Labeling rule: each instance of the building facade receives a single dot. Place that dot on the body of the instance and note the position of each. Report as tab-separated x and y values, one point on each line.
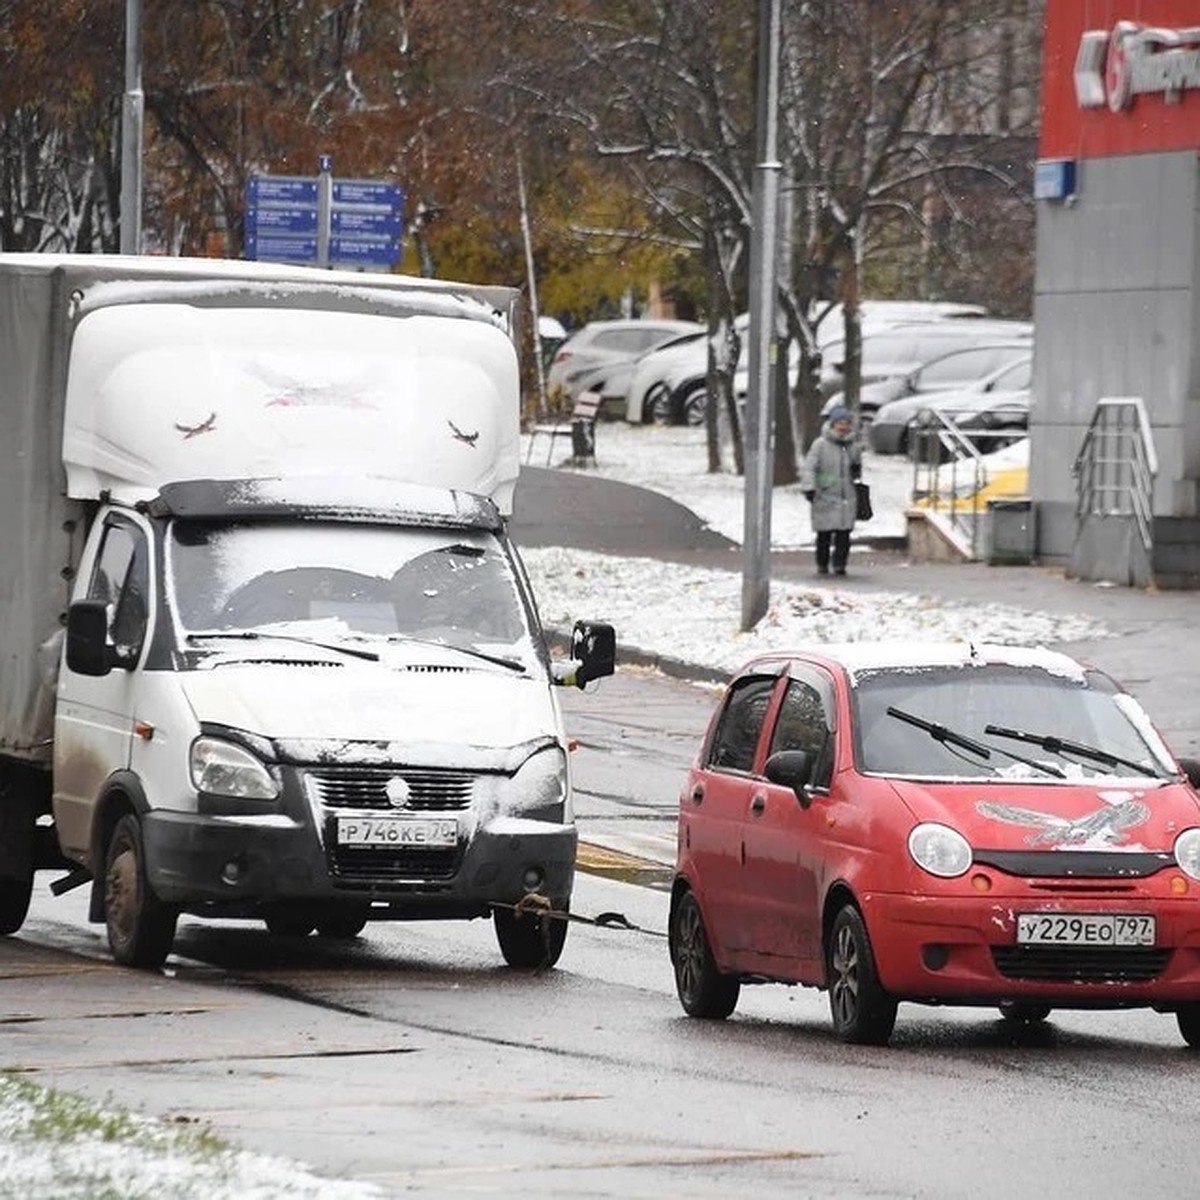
1116	486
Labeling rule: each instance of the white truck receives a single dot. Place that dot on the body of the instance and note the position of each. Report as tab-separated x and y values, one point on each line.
266	649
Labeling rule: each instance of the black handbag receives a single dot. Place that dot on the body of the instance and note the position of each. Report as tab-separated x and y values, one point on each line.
863	510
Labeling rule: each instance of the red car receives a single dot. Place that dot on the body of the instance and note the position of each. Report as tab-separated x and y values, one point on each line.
948	824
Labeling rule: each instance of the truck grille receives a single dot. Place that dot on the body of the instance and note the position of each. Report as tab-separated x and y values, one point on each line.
392	865
1061	964
429	789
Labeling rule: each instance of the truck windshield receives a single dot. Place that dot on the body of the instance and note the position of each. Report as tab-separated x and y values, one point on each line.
378	582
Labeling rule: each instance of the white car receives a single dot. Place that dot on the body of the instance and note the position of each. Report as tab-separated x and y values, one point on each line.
588	356
646	373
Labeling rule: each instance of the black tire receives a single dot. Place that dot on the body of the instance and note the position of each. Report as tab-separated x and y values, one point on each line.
863	1013
528	941
1024	1012
656	408
14	902
289	920
343	922
141	928
1189	1024
703	991
694	406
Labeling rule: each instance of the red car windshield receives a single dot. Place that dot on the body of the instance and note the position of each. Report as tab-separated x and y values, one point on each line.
960	703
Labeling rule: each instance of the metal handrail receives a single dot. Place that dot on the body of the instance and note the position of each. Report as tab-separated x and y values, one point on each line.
1117	464
941	433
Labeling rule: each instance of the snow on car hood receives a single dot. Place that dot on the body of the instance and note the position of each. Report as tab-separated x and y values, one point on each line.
488	708
1124	816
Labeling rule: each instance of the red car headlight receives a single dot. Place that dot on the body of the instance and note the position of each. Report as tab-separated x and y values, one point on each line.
940	850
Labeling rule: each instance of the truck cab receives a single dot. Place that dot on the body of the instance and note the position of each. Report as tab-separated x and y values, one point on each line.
302	677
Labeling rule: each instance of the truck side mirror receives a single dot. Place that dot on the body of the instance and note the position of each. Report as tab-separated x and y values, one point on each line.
594	647
88	651
1191	768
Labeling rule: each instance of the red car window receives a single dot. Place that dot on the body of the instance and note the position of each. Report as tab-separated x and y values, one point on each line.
736	736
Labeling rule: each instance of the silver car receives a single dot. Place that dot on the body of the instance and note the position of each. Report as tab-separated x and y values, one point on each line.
601	348
978	371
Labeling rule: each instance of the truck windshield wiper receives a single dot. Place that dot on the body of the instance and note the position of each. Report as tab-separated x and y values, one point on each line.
254	635
1057	745
940	733
510	663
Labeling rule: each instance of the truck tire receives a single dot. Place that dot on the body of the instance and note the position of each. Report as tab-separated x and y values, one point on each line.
18	834
530	942
343	922
141	928
14	902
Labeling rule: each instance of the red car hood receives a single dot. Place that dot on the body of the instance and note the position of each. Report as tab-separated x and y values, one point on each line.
1126	816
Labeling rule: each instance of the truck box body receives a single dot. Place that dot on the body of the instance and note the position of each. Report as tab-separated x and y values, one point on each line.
265	636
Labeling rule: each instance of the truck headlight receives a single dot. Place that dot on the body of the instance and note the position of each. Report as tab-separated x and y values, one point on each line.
224	769
940	850
539	788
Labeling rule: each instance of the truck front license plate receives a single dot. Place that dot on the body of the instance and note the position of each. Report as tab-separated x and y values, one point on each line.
374	832
1085	929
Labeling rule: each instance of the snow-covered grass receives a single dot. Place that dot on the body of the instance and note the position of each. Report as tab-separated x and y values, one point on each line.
56	1146
694	614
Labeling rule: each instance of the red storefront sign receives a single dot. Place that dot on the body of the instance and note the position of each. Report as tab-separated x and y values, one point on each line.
1120	77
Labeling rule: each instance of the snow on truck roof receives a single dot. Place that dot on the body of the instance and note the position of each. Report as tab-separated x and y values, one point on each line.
175	381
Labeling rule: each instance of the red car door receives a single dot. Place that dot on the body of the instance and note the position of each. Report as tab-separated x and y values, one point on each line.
783	834
712	811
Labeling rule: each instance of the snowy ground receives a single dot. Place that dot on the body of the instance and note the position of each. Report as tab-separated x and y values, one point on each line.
695	614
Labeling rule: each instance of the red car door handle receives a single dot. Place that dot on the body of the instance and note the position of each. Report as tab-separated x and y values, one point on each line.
758	804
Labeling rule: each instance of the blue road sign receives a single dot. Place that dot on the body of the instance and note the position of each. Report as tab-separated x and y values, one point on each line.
281	249
369	193
365	221
354	222
270	221
281	189
362	252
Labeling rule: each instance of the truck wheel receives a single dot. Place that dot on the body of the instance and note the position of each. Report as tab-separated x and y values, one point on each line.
289	920
343	922
141	927
528	941
14	902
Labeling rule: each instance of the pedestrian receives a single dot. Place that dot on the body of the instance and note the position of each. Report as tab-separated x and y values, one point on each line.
832	466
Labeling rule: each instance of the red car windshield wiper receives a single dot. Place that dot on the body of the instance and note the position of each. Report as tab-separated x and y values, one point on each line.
940	733
1057	745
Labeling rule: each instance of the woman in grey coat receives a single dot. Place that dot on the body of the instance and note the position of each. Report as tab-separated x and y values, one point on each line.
831	467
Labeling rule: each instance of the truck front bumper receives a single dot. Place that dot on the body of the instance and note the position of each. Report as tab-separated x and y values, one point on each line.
236	862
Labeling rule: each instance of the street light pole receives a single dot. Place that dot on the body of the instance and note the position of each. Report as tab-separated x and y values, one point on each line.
132	113
760	467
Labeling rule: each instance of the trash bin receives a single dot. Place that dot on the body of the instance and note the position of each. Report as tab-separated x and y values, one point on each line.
1011	520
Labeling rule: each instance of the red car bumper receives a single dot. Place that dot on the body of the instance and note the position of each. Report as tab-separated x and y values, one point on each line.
964	950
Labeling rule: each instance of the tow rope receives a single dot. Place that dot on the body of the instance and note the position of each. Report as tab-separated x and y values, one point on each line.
534	904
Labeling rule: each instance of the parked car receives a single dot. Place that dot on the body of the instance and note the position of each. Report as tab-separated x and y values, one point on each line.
941	824
588	356
968	424
646	379
903	349
960	380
